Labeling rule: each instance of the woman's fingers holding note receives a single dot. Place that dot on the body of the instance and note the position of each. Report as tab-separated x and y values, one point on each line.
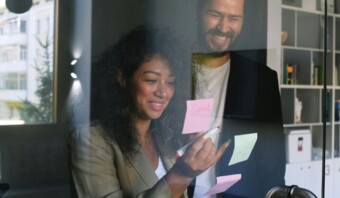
201	155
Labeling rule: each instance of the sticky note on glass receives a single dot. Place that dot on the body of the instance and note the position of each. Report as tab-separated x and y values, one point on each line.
198	115
244	144
223	183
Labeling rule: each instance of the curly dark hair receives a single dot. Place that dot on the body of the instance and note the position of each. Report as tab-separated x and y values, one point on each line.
113	105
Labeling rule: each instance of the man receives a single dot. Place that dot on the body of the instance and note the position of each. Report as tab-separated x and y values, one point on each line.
245	92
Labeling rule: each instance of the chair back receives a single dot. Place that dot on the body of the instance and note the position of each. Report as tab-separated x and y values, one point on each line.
293	191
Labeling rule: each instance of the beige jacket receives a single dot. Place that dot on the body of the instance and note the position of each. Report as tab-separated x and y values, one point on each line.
100	170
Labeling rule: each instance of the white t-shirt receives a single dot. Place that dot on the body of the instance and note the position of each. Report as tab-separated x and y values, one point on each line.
160	170
211	83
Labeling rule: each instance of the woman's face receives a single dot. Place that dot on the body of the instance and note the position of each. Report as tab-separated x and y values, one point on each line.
153	88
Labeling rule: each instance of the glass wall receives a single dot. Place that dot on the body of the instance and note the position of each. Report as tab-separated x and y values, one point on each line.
293	38
265	73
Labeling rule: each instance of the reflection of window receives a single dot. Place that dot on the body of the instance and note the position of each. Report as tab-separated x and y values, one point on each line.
47	24
43	24
12	27
2	84
13	81
23	53
7	53
3	56
22	81
23	26
12	53
37	26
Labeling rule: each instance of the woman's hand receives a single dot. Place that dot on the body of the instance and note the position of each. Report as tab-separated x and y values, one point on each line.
200	156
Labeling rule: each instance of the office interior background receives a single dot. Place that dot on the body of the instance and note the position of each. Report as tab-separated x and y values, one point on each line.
52	45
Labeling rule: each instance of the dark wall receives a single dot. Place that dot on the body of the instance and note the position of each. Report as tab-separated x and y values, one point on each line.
253	38
254	32
113	18
34	162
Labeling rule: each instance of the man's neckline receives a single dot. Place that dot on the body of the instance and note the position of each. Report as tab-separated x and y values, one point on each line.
211	60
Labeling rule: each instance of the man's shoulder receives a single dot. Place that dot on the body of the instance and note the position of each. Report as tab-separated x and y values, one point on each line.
248	61
246	57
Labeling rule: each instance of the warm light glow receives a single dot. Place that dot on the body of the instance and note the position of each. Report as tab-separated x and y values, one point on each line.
77	52
74	62
73	75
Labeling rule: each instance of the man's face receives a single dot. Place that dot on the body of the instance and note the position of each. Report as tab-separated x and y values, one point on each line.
221	22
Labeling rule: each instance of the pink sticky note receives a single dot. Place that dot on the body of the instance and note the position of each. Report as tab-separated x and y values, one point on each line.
223	183
198	115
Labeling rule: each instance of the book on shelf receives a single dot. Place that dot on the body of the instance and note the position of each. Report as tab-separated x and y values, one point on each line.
318	75
290	74
337	110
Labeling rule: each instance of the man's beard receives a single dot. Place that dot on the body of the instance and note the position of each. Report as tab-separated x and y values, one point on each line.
216	32
204	44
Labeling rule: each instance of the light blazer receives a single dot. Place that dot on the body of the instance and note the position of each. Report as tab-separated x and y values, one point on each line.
253	96
99	169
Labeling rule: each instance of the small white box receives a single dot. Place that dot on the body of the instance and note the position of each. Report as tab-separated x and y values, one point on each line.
299	146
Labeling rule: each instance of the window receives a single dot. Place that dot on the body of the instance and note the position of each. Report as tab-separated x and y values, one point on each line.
7	53
24	73
47	24
13	29
13	81
23	53
37	26
22	81
22	26
10	53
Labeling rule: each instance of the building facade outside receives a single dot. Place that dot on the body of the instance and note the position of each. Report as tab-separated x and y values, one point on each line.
26	43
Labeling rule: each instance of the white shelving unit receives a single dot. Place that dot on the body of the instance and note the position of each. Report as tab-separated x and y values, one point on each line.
304	47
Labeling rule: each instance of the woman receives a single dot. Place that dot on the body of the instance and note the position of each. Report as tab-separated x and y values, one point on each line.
130	149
